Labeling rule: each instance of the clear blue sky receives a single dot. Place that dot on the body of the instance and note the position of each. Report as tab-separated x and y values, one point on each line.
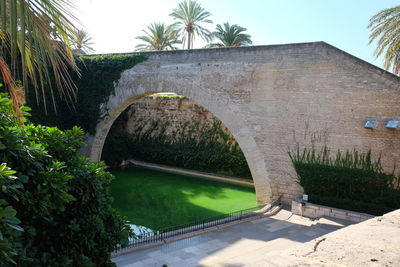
338	22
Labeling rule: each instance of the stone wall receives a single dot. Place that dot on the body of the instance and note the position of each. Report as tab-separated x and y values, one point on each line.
311	210
173	111
273	98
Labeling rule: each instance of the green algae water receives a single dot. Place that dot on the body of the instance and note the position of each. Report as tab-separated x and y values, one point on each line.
158	200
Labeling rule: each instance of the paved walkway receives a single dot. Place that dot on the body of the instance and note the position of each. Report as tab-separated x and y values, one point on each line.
244	244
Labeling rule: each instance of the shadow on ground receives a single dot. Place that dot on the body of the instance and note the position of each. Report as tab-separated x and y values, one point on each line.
158	200
238	245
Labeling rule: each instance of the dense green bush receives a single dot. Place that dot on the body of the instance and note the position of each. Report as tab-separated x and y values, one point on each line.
350	181
96	84
10	230
56	210
194	145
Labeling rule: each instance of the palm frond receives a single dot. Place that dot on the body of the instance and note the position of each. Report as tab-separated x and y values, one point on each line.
190	17
385	29
35	35
82	43
159	37
231	35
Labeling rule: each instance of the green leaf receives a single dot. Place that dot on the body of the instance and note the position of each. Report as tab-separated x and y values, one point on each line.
16	227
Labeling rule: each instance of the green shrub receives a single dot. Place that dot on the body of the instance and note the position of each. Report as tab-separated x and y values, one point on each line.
118	147
350	181
194	145
61	200
10	231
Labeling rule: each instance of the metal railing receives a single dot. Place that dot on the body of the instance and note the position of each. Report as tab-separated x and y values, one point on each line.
162	234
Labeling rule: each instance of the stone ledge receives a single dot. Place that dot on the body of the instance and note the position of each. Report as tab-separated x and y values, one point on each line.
228	52
311	210
197	174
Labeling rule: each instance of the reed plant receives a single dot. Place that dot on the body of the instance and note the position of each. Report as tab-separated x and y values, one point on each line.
349	180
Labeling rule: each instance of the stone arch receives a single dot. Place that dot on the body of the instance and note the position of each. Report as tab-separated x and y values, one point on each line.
272	98
140	81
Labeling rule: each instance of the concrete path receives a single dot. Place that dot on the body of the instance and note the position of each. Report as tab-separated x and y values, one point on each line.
240	245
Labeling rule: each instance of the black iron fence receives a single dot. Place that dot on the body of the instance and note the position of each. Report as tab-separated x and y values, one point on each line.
163	234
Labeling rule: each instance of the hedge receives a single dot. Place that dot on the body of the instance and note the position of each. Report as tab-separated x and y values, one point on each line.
350	181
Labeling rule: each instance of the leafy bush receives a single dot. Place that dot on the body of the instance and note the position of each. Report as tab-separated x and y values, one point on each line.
350	181
118	147
61	200
9	224
194	145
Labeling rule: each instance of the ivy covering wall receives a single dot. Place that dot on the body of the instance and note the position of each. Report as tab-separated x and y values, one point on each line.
350	180
194	144
96	84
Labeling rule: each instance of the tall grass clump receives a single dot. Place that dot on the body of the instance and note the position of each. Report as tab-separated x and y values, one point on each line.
349	180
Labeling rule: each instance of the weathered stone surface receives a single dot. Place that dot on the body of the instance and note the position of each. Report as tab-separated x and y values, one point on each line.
272	98
312	210
173	112
375	242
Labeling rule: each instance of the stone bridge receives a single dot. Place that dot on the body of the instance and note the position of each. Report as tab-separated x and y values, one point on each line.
272	99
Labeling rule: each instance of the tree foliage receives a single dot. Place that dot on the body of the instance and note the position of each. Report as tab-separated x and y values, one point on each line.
385	29
159	37
82	43
10	229
230	35
55	207
191	18
35	38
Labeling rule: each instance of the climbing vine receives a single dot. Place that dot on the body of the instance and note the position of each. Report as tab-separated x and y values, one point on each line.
96	84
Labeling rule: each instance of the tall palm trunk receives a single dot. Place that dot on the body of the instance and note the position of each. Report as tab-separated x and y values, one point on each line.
190	16
189	40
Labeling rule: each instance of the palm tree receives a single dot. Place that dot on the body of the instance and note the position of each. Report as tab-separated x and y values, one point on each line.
231	35
159	37
385	26
35	37
82	43
191	16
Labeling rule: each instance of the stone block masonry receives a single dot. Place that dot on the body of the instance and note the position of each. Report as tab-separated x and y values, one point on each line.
311	210
272	98
173	112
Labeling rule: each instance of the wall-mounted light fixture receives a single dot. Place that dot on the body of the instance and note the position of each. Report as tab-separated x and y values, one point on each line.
370	124
392	124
